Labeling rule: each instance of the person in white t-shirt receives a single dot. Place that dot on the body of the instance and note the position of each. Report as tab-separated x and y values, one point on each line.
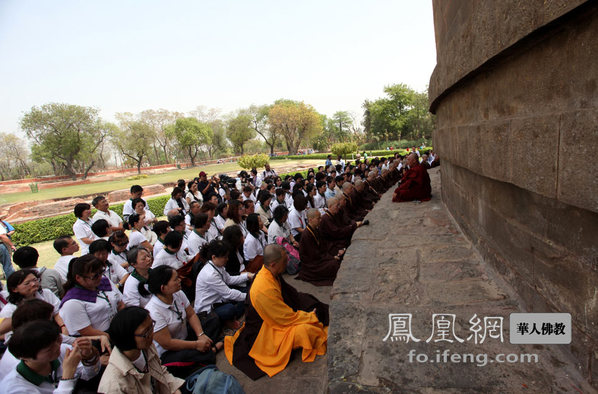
199	236
280	227
297	216
253	246
135	292
136	237
66	246
91	300
118	253
25	284
100	248
171	254
172	313
47	365
177	201
136	192
102	205
161	229
82	227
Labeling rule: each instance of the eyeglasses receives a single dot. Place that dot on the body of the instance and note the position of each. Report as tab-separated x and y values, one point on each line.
147	332
31	282
121	244
94	276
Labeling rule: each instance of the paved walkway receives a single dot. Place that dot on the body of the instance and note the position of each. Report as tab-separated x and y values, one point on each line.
413	259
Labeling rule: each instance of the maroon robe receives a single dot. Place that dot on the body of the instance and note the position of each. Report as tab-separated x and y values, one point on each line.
354	211
336	231
415	185
318	266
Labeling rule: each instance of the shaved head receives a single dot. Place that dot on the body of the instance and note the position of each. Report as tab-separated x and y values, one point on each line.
312	214
332	201
272	253
347	187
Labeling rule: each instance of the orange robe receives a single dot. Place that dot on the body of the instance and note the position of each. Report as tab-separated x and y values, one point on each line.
269	336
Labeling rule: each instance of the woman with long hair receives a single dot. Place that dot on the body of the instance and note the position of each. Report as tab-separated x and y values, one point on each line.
176	202
136	237
235	214
234	239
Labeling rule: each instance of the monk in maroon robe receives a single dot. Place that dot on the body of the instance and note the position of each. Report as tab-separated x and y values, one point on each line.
415	184
318	265
334	226
353	210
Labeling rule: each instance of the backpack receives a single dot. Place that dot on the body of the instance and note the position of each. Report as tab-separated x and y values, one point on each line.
294	264
209	380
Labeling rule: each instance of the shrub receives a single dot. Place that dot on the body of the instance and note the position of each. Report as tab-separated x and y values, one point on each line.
253	161
48	229
344	148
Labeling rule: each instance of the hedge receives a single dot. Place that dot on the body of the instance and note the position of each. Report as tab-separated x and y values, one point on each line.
371	153
48	229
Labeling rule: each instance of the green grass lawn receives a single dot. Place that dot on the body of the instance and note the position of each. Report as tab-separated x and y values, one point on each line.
123	183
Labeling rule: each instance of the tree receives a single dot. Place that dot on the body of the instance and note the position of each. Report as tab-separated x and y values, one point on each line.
386	117
420	122
13	157
295	121
159	120
219	141
239	131
66	136
190	134
134	139
259	122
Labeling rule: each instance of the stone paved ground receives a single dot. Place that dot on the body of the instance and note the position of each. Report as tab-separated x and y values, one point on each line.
413	259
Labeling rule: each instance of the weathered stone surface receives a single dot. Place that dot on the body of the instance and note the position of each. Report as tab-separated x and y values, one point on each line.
515	92
428	273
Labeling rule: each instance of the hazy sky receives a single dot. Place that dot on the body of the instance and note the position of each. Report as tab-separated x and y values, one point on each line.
130	56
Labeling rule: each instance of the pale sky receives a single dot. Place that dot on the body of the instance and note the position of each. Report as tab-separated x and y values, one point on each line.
129	56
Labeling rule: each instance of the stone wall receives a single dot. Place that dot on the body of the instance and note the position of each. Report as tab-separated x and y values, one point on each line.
515	92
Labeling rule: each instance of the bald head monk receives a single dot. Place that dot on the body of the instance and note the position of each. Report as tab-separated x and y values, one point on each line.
275	259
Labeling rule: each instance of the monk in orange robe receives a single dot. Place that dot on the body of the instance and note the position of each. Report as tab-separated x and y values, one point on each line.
279	319
415	184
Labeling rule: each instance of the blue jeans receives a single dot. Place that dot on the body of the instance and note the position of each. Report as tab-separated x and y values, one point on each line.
230	311
5	261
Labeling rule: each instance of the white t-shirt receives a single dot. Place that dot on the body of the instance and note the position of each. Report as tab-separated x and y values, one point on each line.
172	204
176	260
212	233
111	217
82	229
128	208
15	383
114	272
158	246
44	295
275	231
297	220
62	266
319	201
118	258
219	223
136	238
173	317
78	314
212	286
195	242
254	246
131	296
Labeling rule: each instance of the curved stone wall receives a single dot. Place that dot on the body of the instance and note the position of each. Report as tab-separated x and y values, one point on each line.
515	91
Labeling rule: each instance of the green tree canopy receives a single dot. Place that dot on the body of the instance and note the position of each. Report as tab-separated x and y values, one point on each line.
69	137
296	121
190	134
259	122
134	139
239	130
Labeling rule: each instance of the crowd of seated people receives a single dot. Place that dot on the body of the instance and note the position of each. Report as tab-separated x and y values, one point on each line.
160	295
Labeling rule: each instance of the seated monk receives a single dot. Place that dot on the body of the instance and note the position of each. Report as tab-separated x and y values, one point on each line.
279	319
354	211
364	200
335	227
318	266
415	184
